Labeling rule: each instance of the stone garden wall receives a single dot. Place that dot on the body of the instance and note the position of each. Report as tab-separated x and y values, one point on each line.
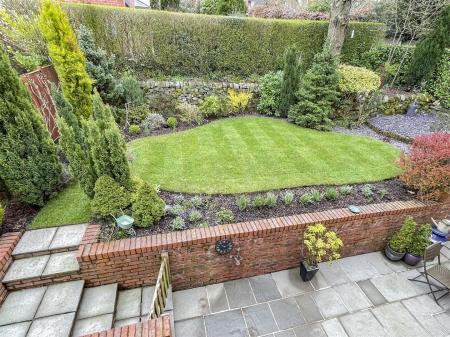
266	245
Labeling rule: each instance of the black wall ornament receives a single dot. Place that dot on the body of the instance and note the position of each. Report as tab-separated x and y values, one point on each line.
224	246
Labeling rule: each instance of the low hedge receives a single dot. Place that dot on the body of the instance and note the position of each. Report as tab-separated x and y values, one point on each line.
170	43
357	80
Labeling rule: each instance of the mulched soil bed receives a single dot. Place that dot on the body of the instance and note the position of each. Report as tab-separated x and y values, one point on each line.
213	203
17	217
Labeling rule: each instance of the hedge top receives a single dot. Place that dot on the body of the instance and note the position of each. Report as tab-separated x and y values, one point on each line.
171	43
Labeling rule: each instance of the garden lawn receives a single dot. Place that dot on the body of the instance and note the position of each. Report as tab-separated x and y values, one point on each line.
248	154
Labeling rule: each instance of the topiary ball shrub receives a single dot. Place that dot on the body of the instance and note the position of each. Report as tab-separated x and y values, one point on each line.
357	80
134	129
110	198
147	207
172	123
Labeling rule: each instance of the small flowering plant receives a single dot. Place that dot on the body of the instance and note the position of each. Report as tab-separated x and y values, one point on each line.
322	244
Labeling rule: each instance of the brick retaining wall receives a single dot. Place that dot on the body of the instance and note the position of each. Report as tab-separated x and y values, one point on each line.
7	243
265	245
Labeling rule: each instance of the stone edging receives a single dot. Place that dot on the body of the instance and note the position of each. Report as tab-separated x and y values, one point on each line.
7	243
390	134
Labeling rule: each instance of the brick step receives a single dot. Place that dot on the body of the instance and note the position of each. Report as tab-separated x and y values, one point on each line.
46	241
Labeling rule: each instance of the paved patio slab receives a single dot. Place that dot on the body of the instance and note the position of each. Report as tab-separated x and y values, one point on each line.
190	303
311	330
333	328
379	261
259	320
147	296
287	313
226	324
68	236
61	298
53	326
194	327
309	308
394	287
289	282
319	282
35	241
217	297
98	301
285	333
329	303
92	324
61	263
353	297
239	293
128	303
333	273
357	268
264	288
372	293
15	330
21	306
26	268
126	321
361	324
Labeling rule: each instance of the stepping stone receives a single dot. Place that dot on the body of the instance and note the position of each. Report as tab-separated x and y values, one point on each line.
372	293
62	263
333	273
264	288
68	236
285	333
357	268
92	324
397	321
394	287
329	303
226	324
217	297
26	268
194	327
290	284
98	301
128	303
259	320
21	306
286	313
35	241
147	297
362	324
53	326
127	321
311	330
353	297
190	303
333	328
239	293
309	308
15	330
61	298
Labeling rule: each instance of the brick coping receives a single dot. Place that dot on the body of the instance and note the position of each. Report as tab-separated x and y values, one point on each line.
91	250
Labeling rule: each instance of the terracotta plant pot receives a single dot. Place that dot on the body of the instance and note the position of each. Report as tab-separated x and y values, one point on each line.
307	272
392	254
411	259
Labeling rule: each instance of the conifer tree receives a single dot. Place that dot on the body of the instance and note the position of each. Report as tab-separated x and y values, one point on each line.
291	78
29	166
67	58
317	94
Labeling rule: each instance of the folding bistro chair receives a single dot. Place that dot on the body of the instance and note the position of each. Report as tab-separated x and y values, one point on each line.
436	272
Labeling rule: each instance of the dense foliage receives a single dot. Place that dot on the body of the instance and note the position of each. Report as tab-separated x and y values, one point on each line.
291	79
147	207
189	44
110	198
269	93
321	244
223	7
402	239
317	94
29	166
439	85
67	58
420	240
357	80
213	106
427	168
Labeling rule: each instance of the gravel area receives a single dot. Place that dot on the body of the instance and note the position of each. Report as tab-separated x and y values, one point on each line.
365	131
404	125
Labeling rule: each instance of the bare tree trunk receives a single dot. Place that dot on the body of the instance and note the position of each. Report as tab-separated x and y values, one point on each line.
339	18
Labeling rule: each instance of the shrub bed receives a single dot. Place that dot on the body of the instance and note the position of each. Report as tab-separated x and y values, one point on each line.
174	43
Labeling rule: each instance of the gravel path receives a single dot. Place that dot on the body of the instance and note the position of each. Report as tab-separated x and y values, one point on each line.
404	125
367	132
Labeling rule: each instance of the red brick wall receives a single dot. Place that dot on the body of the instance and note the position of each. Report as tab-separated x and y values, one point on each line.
120	3
7	243
265	245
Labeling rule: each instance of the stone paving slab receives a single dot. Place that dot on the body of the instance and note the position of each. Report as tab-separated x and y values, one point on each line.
333	328
311	330
217	297
333	273
61	263
264	288
68	236
61	298
21	306
15	330
357	268
239	293
285	333
92	324
319	282
362	324
287	313
126	321
289	282
194	327
259	320
394	287
329	303
379	261
353	297
226	324
53	326
35	241
372	293
309	308
26	268
98	301
190	303
147	296
128	303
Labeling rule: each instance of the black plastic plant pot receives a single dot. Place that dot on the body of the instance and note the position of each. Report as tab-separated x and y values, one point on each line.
307	272
392	254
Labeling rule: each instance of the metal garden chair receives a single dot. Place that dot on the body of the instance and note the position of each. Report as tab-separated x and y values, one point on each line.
436	272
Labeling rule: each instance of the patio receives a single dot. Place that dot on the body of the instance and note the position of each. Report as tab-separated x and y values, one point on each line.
364	295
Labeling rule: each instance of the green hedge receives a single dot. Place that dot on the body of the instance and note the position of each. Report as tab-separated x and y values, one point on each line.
171	43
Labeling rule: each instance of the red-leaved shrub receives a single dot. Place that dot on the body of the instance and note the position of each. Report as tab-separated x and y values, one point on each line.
276	10
427	168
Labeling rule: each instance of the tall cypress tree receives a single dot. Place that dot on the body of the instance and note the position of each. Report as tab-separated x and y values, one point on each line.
291	79
29	164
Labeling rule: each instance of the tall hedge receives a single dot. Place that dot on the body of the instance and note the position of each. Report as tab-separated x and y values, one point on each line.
193	44
29	166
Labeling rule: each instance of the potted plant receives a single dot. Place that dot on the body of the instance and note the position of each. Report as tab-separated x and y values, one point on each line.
400	241
420	241
321	244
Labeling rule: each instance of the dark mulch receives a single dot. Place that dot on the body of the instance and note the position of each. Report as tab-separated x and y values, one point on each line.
213	203
17	217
